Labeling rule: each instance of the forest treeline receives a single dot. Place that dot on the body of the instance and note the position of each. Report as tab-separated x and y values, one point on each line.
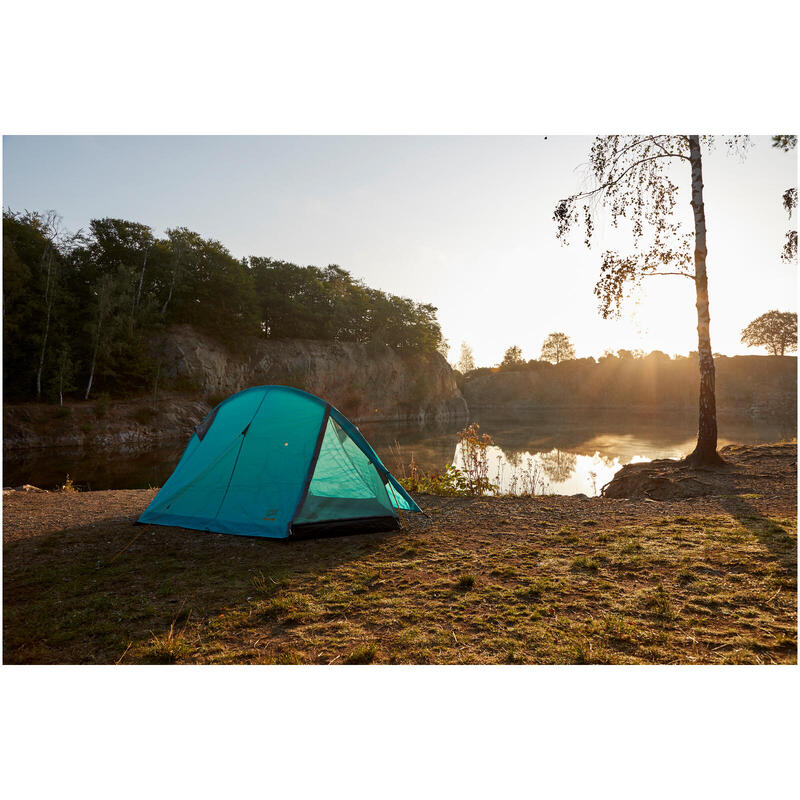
80	311
653	380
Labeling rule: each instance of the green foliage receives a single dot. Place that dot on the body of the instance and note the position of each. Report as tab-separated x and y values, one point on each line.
471	481
102	406
451	482
102	298
312	303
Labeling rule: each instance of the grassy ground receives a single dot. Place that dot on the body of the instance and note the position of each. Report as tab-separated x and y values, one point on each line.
505	580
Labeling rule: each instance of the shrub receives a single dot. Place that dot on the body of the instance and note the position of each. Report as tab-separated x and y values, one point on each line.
449	483
465	582
474	452
472	481
102	406
69	486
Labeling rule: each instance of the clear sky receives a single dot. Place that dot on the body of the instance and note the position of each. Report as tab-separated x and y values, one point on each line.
461	222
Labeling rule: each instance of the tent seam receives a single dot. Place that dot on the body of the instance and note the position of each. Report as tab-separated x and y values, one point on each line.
241	445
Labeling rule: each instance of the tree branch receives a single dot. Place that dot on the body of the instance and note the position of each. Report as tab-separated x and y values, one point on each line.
608	184
673	155
682	274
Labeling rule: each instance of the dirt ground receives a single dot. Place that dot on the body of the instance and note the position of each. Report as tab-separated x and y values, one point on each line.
547	579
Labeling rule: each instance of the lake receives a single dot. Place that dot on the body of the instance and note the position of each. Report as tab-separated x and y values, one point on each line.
558	452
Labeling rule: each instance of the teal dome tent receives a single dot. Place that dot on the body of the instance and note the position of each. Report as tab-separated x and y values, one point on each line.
277	462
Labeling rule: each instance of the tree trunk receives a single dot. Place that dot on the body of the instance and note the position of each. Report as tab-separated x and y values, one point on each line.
141	280
94	358
91	375
48	297
176	263
706	450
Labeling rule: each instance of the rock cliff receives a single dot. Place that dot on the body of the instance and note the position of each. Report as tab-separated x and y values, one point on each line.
365	382
756	386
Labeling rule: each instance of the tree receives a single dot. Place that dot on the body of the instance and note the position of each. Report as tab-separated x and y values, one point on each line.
557	347
789	253
103	307
631	179
512	357
177	239
466	361
65	373
775	330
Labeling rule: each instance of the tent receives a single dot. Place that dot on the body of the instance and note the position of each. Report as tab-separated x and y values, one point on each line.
277	462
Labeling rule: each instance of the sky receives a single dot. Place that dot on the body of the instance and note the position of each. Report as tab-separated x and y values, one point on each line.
462	222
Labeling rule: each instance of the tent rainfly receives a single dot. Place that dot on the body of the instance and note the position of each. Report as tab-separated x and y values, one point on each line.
275	461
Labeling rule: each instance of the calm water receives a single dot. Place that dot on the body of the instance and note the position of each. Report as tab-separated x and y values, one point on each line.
557	452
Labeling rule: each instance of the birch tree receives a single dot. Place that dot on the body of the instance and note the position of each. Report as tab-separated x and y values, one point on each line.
49	269
176	237
632	177
466	360
50	226
103	308
65	371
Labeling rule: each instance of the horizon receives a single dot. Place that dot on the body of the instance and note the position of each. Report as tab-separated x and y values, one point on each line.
461	222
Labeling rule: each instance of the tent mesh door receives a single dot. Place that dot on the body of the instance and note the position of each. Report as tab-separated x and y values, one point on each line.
345	484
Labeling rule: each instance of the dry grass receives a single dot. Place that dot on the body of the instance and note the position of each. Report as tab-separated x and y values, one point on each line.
486	581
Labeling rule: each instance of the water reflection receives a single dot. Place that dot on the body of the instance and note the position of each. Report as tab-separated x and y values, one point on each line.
552	472
568	452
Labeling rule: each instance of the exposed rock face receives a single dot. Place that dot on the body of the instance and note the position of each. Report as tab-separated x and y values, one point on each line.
364	382
128	425
754	385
